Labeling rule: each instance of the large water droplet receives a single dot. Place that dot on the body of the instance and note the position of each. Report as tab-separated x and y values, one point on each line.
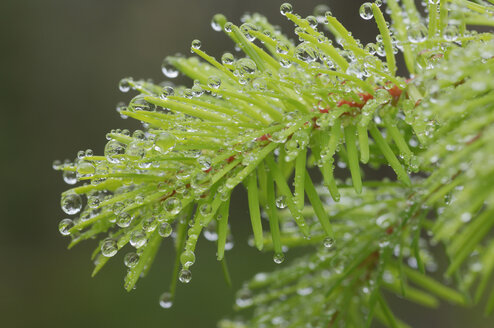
450	33
215	22
118	207
366	11
417	33
173	205
166	300
165	142
124	84
214	82
286	8
244	298
312	21
169	71
124	219
201	182
113	150
227	59
205	209
57	164
281	201
109	247
165	229
305	52
328	242
138	239
187	258
71	203
131	259
278	258
247	28
185	276
150	224
196	44
64	226
85	169
246	66
135	149
69	177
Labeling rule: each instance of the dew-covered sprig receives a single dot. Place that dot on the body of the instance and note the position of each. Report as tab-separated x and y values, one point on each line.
270	114
341	282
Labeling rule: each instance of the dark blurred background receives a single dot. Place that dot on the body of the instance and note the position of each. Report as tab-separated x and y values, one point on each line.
60	63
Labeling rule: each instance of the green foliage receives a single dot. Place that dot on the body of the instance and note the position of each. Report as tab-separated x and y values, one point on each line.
271	119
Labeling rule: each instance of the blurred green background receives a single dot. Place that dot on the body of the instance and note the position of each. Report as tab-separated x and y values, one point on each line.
60	62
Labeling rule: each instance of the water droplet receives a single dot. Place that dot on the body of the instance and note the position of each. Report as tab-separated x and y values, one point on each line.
167	92
417	33
328	242
196	44
201	182
173	205
306	52
205	162
165	142
131	259
109	247
302	138
118	207
229	242
169	71
165	229
64	226
209	231
124	84
366	11
187	258
85	169
286	8
244	298
320	12
278	258
378	3
259	84
57	164
113	150
138	239
150	224
69	177
215	22
197	90
246	29
166	300
71	203
93	202
371	48
227	59
185	276
312	21
450	33
228	27
124	219
246	66
214	82
282	48
205	210
281	201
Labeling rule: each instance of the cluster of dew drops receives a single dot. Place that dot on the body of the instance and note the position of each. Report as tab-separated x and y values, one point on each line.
72	203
